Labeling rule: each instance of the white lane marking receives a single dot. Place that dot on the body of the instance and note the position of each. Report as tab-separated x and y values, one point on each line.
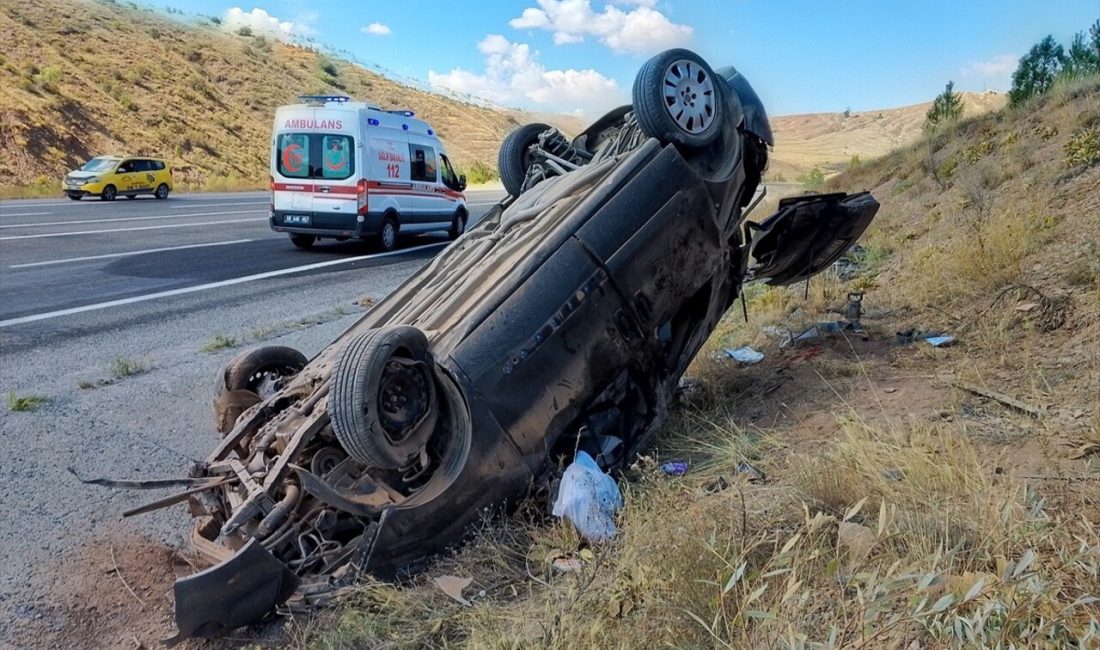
127	253
24	214
116	219
97	232
205	287
33	203
216	205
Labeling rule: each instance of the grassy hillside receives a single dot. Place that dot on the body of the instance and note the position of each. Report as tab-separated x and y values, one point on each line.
828	141
82	78
900	509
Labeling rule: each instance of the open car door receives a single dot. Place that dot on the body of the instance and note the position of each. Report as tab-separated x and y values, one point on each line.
807	234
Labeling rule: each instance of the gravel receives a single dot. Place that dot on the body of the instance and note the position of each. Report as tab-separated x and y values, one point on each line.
150	424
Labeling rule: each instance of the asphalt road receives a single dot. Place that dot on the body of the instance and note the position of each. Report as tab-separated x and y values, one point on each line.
60	258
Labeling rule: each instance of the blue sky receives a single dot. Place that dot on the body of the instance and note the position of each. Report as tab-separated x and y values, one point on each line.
567	55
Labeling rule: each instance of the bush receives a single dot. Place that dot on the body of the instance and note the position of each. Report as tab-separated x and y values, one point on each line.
244	31
479	173
1083	148
812	179
47	78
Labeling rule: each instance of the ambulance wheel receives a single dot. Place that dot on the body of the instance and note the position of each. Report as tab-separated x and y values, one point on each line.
514	157
678	99
387	238
302	241
458	225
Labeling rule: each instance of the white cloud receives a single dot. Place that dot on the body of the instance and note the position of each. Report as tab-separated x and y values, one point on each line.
640	30
261	22
1002	65
377	29
513	74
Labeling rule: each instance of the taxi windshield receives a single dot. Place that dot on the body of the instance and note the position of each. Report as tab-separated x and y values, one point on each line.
98	164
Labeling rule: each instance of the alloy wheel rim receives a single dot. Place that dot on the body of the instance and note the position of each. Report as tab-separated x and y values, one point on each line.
689	96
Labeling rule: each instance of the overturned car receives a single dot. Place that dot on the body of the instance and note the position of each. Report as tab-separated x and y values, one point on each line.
562	321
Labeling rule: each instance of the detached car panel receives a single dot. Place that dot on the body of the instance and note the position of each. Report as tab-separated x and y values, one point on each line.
563	321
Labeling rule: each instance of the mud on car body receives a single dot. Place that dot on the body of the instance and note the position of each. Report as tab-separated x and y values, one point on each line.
564	320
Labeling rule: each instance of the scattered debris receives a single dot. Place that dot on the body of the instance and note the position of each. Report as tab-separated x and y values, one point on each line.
750	473
744	355
941	341
674	468
588	499
1007	400
913	335
453	586
893	474
890	390
567	565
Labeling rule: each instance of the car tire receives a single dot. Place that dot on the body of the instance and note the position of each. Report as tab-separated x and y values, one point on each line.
514	159
679	99
383	402
458	225
262	370
109	193
387	237
162	191
304	242
75	197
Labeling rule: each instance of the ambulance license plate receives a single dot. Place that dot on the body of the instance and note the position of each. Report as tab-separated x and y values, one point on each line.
296	220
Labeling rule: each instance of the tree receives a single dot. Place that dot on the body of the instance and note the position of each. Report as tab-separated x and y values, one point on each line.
1083	57
946	108
1037	70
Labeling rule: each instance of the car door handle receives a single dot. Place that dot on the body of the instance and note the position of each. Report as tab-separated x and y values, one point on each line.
324	188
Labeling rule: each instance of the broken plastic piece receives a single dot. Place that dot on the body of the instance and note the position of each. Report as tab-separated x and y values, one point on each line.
588	499
940	341
674	468
744	355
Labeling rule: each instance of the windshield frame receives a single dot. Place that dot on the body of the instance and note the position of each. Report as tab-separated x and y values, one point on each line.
102	164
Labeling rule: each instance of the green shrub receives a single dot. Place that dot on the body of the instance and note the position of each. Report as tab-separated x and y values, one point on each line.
478	173
47	78
812	179
1083	148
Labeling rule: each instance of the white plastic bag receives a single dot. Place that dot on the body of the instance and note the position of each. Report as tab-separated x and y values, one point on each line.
588	499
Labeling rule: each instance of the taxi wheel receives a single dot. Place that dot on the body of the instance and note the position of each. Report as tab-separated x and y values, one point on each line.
109	193
75	197
162	192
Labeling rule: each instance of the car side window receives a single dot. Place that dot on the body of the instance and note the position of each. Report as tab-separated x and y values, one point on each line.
142	165
158	165
423	166
125	168
447	173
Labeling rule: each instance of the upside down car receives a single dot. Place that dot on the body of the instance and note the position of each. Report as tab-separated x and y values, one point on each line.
563	321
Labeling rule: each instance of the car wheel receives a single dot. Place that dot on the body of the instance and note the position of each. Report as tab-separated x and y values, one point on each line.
514	157
109	193
302	241
383	402
75	197
458	225
162	192
679	99
263	370
250	377
388	237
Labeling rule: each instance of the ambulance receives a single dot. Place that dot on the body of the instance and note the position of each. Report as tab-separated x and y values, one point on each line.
350	170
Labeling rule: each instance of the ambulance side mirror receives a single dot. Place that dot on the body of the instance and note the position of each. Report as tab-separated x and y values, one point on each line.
461	182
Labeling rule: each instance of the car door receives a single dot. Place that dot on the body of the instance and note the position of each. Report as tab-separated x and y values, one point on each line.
143	175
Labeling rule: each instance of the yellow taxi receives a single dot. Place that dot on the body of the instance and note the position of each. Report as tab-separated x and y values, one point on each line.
109	177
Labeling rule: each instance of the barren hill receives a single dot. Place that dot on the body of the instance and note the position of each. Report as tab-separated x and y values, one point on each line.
829	140
80	78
